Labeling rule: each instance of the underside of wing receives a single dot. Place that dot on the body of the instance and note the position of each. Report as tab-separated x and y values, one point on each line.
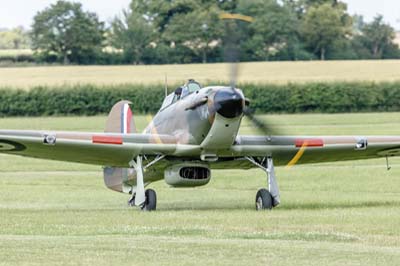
291	150
92	148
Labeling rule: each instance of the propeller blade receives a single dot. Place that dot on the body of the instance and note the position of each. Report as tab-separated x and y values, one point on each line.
232	43
260	125
233	75
231	51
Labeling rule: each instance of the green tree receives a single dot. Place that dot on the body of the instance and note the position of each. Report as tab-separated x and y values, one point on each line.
161	12
324	27
274	32
187	30
17	38
228	5
378	39
300	7
64	30
198	31
133	34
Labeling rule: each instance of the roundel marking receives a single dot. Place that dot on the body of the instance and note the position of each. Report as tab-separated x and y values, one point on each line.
8	145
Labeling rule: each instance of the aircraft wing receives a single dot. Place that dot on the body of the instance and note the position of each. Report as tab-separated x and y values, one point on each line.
115	149
93	148
291	150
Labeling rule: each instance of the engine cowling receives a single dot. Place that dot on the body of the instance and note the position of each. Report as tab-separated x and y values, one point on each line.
187	175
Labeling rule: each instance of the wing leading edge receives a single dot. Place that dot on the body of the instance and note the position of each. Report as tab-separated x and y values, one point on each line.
293	150
92	148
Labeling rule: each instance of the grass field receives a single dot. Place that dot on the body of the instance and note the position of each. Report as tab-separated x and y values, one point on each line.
273	72
55	213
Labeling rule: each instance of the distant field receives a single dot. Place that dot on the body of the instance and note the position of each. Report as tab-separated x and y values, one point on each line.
272	72
55	213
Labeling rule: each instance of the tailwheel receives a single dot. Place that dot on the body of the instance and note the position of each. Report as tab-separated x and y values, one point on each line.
264	200
151	200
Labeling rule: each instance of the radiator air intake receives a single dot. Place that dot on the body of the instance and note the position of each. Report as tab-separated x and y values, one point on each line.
198	173
187	175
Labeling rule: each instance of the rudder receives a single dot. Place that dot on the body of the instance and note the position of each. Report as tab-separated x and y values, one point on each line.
120	119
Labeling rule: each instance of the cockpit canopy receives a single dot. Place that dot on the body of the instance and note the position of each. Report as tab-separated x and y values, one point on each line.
181	92
190	87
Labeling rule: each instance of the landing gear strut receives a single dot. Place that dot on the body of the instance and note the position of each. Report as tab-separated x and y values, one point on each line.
267	199
146	200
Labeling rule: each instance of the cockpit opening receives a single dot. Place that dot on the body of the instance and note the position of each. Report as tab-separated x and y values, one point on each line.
181	92
190	87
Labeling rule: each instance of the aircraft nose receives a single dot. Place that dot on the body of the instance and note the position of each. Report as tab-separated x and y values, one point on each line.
229	103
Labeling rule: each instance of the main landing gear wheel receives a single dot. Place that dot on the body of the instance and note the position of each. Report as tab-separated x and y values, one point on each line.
151	200
264	200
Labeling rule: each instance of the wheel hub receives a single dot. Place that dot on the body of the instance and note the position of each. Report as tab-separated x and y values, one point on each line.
259	203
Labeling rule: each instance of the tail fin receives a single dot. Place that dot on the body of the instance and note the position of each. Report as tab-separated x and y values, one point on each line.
120	119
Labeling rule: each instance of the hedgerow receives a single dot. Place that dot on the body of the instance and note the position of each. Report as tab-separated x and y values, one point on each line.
265	98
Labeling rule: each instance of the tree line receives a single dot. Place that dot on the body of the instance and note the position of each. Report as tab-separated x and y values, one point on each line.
190	31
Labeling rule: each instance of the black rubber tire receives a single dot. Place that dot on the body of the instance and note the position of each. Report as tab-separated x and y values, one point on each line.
264	200
151	200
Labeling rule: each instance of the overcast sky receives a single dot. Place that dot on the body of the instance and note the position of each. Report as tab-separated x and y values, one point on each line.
20	12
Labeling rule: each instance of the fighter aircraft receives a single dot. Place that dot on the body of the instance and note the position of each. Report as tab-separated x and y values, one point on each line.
194	132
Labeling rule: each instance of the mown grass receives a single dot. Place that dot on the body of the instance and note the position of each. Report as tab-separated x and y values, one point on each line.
261	72
331	214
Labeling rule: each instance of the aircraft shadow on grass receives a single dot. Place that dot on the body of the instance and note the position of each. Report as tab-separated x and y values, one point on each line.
288	206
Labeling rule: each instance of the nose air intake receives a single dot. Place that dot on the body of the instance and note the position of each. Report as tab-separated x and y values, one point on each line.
228	103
